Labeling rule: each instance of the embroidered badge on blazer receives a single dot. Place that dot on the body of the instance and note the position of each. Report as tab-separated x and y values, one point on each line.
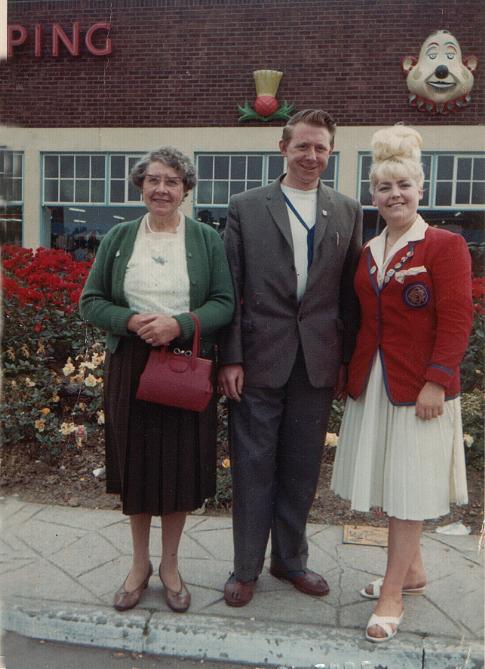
416	295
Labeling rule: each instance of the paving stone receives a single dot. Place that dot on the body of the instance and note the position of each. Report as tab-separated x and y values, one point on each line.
77	517
48	538
44	581
21	514
84	554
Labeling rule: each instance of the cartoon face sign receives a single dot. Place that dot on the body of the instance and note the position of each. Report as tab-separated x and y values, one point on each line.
440	80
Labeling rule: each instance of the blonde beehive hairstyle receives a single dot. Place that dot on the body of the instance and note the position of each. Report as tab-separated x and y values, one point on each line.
396	154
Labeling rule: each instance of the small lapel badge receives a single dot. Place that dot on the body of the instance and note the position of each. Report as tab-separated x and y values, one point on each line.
324	212
118	253
373	269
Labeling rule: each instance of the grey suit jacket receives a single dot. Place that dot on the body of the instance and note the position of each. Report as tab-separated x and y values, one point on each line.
269	322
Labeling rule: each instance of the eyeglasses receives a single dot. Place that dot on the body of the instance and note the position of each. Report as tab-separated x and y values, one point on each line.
153	181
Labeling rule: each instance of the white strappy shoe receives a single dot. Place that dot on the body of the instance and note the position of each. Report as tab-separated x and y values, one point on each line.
376	590
384	622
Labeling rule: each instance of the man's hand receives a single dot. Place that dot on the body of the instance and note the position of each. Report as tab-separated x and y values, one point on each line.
431	401
155	329
230	381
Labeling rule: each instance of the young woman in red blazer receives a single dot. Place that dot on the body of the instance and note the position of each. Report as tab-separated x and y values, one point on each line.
401	443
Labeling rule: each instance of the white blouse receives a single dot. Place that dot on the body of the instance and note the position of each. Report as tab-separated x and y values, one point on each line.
156	279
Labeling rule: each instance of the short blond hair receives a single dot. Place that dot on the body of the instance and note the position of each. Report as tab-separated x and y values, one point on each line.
396	153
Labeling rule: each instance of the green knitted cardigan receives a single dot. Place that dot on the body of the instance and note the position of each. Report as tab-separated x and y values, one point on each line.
104	304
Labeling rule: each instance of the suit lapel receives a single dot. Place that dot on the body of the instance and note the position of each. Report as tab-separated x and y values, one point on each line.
325	212
279	213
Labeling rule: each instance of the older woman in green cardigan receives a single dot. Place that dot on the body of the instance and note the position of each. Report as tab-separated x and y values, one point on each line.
148	275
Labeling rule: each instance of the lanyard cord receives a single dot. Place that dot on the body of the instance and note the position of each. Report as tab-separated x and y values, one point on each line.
310	231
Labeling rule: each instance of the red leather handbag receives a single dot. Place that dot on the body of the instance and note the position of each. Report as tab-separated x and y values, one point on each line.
177	378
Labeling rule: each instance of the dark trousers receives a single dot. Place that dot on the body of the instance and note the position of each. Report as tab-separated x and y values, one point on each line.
276	437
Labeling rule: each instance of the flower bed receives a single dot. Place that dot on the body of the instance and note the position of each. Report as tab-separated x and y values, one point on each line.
53	364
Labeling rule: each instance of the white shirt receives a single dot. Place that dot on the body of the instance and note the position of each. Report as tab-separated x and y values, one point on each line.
305	202
156	279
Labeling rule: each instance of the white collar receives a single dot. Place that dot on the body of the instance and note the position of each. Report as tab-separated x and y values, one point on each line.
415	233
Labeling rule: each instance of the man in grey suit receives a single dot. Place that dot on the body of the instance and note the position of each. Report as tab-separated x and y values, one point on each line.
292	247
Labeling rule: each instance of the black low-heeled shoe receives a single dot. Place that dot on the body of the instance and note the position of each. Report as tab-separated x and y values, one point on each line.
124	600
177	601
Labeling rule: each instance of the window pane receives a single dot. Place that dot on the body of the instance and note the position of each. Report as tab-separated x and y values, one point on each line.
365	196
17	165
478	169
329	173
220	192
424	202
82	167
16	194
132	160
462	193
366	163
275	167
67	166
97	191
478	193
445	167
133	193
204	192
51	166
97	167
253	184
67	190
118	166
50	191
464	172
117	191
238	167
11	226
82	190
221	167
205	167
237	187
426	160
443	193
255	167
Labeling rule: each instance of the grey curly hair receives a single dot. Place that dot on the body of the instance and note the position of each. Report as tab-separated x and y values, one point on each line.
167	155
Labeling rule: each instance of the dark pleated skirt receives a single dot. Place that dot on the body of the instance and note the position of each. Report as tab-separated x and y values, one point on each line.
158	459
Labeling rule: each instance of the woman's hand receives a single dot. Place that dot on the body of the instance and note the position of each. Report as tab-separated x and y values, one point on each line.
431	401
155	329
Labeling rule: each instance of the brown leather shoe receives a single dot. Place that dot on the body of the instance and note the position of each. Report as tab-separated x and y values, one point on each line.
124	600
306	581
238	593
177	601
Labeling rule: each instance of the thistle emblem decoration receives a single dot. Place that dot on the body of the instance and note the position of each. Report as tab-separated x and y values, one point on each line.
266	107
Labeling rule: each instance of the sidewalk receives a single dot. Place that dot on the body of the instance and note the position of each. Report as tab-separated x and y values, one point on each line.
60	567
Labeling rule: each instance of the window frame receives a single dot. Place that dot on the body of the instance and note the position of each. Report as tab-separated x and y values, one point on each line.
107	178
433	180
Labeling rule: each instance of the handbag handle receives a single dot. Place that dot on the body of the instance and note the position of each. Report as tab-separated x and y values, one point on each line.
196	338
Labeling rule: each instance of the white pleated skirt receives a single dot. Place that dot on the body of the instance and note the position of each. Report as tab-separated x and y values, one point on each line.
387	457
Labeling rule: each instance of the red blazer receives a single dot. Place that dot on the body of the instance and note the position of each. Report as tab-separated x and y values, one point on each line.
419	326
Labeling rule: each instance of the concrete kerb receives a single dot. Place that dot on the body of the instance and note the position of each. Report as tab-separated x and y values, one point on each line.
232	639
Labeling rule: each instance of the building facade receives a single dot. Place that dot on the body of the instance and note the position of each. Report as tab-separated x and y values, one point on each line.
90	86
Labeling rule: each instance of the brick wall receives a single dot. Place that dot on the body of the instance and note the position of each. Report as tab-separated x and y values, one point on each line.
190	62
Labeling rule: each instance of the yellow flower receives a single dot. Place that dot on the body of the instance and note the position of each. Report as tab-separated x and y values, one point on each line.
468	439
226	463
68	368
67	428
39	425
45	411
29	383
87	365
100	415
25	351
41	348
82	406
331	439
90	381
10	354
55	398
